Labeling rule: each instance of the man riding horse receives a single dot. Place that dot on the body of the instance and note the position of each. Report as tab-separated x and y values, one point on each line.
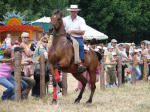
62	53
75	26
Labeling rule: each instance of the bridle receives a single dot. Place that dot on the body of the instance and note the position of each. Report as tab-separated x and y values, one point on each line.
54	27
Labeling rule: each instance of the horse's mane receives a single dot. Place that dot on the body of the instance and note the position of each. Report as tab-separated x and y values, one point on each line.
57	11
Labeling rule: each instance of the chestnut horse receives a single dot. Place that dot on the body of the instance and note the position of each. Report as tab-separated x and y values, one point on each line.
62	53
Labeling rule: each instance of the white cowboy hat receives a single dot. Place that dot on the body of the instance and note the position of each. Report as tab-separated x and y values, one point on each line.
73	8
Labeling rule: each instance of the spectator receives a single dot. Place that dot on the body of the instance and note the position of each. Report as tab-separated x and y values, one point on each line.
15	45
25	80
124	65
138	73
8	41
111	78
5	76
3	46
19	40
115	49
46	34
41	49
26	55
33	47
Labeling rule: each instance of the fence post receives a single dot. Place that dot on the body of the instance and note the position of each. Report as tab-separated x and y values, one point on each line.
64	81
17	71
119	71
145	69
102	79
134	70
42	76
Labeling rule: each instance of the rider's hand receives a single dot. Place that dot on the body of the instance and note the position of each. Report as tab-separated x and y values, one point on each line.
70	32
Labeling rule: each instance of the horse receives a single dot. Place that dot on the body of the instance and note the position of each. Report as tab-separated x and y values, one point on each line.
61	54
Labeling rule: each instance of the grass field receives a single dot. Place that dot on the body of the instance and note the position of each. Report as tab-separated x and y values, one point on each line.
128	98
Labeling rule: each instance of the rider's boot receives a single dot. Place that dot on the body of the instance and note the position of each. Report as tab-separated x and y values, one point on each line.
81	67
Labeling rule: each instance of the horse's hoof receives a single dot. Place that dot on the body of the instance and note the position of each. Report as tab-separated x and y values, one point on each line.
54	102
89	102
77	101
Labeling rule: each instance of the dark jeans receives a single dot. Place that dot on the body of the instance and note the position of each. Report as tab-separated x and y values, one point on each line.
36	88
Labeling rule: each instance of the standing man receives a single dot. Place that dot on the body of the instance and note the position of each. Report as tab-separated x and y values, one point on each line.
76	26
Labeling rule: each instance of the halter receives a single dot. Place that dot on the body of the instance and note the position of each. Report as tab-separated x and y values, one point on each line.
55	26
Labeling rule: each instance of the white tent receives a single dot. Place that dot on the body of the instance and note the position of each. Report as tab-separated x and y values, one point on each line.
90	32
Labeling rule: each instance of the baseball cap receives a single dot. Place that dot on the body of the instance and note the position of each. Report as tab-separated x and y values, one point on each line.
113	40
120	44
17	49
110	47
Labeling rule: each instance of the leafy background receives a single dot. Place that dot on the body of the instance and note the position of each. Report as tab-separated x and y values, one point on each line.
124	20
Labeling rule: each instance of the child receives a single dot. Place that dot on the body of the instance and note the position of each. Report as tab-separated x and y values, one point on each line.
111	78
6	79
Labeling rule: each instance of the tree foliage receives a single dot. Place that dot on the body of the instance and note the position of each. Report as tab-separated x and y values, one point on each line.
124	20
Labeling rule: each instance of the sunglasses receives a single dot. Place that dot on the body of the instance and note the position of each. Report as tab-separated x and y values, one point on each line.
45	41
25	37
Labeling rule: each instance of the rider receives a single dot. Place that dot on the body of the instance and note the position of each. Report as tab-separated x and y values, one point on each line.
75	26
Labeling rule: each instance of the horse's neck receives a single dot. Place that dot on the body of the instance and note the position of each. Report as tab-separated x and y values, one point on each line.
61	29
57	35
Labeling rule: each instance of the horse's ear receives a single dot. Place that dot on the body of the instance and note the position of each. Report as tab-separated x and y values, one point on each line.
61	12
53	11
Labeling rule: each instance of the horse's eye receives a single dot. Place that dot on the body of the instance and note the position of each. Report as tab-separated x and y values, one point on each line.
59	19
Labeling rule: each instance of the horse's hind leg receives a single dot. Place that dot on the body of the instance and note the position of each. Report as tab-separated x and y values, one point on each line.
93	87
82	79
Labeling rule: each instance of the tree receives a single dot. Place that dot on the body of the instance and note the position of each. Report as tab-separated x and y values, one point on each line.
125	21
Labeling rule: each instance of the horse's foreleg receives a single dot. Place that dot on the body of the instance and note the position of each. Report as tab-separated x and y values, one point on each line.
54	84
93	87
82	79
58	78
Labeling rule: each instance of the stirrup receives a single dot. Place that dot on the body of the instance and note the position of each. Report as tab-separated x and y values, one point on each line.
81	68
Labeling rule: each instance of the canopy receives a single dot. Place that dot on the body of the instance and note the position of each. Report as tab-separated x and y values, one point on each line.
90	32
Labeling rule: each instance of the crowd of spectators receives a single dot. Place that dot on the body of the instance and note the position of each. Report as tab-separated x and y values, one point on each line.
32	52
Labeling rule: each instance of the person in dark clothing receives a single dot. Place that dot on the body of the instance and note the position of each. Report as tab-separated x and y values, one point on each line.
32	47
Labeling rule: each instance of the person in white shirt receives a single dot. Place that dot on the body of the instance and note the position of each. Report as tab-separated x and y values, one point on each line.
76	26
8	41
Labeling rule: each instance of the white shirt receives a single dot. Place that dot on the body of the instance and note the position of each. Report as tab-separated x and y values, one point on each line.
8	42
77	24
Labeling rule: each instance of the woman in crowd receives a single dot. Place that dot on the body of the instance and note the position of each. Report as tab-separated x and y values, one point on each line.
8	41
41	49
27	54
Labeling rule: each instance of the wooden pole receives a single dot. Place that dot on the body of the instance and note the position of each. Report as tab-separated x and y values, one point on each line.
119	71
65	86
102	79
145	69
42	76
134	70
17	71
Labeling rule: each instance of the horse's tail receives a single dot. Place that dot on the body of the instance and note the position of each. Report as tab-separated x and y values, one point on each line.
99	56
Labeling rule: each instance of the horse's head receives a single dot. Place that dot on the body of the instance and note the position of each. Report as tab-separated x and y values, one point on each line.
56	20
